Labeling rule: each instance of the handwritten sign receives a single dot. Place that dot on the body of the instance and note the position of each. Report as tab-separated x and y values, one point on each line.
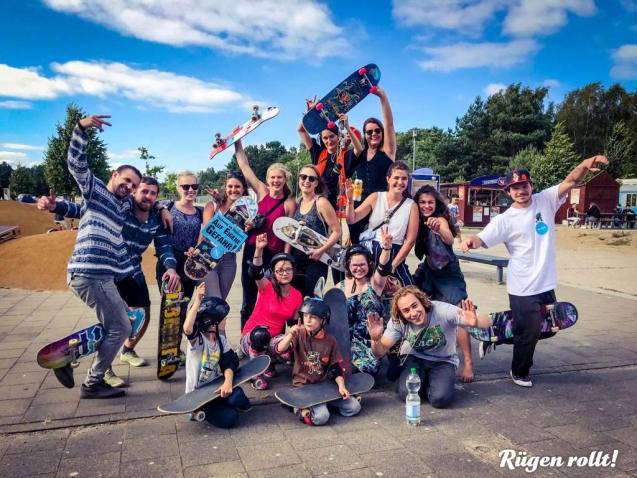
223	233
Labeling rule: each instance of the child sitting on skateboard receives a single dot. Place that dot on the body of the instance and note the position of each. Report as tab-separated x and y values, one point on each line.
277	303
317	358
210	356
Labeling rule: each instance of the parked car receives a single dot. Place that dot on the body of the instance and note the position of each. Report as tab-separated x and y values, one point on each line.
27	198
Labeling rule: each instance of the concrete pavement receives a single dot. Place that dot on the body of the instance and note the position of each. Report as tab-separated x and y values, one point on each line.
583	400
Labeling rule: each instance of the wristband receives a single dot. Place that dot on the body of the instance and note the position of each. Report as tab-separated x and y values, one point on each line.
80	126
257	257
385	248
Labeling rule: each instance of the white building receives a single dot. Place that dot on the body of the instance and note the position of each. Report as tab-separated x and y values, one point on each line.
628	193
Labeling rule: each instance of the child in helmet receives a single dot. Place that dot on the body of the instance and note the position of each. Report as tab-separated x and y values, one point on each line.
278	302
317	358
210	356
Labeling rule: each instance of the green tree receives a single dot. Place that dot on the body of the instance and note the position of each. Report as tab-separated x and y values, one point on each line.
557	162
526	159
152	171
621	151
5	174
21	181
209	177
169	186
40	186
55	166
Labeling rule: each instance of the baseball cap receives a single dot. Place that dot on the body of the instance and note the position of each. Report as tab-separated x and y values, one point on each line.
518	176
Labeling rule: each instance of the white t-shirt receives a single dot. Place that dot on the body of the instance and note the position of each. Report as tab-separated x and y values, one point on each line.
438	342
202	361
529	236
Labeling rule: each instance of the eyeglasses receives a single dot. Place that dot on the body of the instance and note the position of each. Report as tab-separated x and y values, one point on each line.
186	187
357	266
234	174
280	272
370	132
305	177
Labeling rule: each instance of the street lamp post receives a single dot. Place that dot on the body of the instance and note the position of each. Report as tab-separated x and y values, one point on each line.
413	162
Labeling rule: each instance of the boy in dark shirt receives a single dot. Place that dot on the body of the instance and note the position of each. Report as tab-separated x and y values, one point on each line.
317	358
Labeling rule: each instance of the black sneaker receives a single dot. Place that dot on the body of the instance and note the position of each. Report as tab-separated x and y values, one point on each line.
101	390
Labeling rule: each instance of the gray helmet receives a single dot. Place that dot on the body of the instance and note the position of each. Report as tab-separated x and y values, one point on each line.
316	307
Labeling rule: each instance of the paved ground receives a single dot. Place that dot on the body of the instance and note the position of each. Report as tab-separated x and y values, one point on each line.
583	401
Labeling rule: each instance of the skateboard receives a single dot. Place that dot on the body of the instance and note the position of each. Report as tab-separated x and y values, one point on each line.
63	355
319	288
257	118
192	402
339	325
169	339
305	239
314	394
556	317
341	99
224	233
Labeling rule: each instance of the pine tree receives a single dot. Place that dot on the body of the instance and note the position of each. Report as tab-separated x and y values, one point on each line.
621	149
558	160
55	166
21	181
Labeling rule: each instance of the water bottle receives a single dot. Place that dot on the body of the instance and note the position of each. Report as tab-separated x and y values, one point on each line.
412	403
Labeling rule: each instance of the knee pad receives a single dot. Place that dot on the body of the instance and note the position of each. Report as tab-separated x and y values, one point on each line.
259	339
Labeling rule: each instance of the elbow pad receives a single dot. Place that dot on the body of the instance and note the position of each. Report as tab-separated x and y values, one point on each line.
384	269
193	336
229	360
335	370
256	272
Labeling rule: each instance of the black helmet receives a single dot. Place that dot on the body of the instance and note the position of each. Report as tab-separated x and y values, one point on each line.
211	312
358	249
316	307
282	257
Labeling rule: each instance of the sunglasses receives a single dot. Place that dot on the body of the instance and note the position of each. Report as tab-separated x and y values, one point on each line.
234	174
186	187
305	177
370	132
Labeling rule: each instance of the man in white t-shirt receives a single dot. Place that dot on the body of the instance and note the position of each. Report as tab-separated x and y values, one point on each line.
527	229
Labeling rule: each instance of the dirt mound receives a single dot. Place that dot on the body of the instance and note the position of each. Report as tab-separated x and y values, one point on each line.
39	262
27	216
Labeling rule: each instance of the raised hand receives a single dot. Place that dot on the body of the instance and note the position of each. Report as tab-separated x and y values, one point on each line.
433	223
386	239
262	241
349	190
309	104
47	203
344	120
378	92
374	325
590	163
469	314
95	121
294	330
200	291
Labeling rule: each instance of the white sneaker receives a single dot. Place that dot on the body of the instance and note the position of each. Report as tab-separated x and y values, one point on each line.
132	358
112	379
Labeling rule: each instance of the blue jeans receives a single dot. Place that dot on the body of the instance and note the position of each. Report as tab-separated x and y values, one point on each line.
319	414
222	412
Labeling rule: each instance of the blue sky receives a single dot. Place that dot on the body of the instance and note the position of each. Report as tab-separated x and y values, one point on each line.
171	74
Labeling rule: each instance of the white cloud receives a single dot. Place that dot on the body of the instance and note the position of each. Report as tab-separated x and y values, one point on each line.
474	55
543	17
625	63
268	28
155	88
22	147
494	88
115	165
124	155
551	83
12	157
15	105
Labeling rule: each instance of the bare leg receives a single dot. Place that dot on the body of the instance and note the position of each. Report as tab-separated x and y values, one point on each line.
464	339
131	343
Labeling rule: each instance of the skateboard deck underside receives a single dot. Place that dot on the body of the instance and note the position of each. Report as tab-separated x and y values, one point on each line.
241	131
341	99
57	354
564	314
305	239
323	392
196	399
339	325
169	334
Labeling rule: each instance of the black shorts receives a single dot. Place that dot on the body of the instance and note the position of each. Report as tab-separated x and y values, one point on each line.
134	294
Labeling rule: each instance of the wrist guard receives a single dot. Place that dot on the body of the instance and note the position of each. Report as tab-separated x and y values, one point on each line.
384	269
335	370
256	272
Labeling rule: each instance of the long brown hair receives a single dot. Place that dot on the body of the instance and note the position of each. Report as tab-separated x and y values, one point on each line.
441	210
396	314
382	129
401	167
238	175
321	187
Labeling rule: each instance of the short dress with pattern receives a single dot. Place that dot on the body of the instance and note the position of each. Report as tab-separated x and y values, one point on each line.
358	306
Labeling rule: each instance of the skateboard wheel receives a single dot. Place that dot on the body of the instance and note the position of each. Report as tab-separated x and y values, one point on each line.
319	107
305	413
218	135
255	117
73	343
555	329
362	71
169	302
132	337
164	363
331	124
191	417
186	299
200	416
255	107
373	89
550	306
493	339
75	364
358	398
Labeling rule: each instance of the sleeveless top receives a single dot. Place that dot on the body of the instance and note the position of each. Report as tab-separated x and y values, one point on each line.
399	221
186	229
313	220
358	306
275	245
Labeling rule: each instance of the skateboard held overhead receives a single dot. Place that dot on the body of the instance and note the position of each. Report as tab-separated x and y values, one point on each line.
258	117
63	355
339	326
168	359
556	317
301	237
326	391
192	402
343	97
224	233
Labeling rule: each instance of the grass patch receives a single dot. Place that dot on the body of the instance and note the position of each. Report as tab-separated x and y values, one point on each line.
619	242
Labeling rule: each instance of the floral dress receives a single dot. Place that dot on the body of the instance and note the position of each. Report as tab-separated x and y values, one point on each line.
358	306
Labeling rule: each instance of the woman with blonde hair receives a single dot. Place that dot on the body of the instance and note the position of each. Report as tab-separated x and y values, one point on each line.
274	201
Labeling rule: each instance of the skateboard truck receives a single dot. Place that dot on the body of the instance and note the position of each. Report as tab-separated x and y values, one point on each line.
73	343
218	141
170	359
170	302
255	113
365	80
198	416
325	116
551	310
